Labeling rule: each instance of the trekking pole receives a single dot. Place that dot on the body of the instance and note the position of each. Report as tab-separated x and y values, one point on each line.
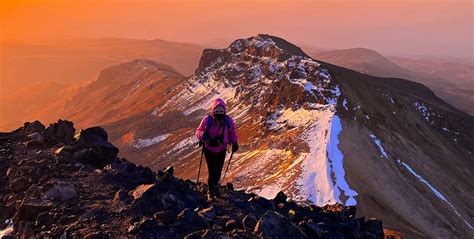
228	166
199	170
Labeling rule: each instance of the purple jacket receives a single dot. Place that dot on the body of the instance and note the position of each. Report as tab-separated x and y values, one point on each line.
230	135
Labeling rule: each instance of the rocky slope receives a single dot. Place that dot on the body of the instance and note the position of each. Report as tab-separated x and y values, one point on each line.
322	134
58	184
122	91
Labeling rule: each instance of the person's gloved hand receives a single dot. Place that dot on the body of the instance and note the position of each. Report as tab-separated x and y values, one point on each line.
235	147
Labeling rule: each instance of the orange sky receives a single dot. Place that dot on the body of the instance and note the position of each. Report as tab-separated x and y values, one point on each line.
402	27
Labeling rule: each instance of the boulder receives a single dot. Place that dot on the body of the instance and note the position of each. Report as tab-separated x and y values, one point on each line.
231	225
166	217
280	197
94	149
144	227
208	213
249	222
29	211
373	229
138	192
59	191
19	184
275	225
192	218
310	229
169	170
121	196
230	187
36	137
203	234
60	132
34	127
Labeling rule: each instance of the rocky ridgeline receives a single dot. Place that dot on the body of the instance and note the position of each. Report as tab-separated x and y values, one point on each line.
55	183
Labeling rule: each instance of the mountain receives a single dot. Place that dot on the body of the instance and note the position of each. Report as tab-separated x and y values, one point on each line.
451	79
121	91
39	100
56	69
320	133
57	185
363	60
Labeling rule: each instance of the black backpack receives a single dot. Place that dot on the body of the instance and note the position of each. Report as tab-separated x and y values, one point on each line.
216	141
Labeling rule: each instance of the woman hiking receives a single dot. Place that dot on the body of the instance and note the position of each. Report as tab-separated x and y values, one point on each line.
216	131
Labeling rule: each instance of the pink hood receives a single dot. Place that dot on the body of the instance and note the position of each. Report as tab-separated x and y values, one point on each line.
216	103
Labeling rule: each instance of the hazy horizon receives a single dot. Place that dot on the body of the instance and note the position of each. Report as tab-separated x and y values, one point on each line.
433	28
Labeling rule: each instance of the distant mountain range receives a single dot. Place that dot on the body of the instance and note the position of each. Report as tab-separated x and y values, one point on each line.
450	79
72	64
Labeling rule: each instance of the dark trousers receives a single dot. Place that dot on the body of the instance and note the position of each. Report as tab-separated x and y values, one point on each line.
215	162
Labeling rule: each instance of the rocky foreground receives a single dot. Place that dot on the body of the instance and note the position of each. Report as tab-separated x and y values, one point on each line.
55	183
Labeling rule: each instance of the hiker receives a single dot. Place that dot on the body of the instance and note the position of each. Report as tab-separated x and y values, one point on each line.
216	132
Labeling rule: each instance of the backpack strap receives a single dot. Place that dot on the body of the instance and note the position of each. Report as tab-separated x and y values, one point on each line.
227	121
227	125
205	136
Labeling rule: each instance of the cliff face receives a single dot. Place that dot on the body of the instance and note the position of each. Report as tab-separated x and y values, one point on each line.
55	183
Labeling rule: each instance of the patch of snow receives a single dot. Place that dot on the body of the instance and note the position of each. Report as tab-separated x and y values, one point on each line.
308	86
379	145
181	146
450	131
336	158
425	111
324	161
324	74
344	104
143	143
434	190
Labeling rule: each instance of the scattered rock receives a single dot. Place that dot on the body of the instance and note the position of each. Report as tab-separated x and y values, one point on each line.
121	196
231	225
34	127
190	216
249	222
30	211
36	137
169	170
138	192
208	213
230	187
61	132
275	225
166	217
59	191
147	226
203	234
19	184
98	151
373	229
280	197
